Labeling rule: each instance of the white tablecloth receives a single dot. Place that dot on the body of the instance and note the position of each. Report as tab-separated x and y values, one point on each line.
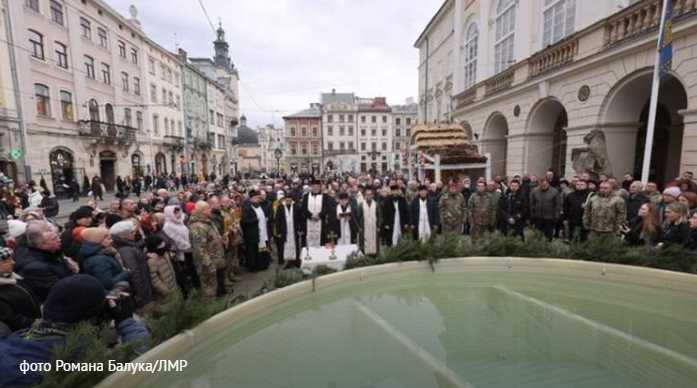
320	256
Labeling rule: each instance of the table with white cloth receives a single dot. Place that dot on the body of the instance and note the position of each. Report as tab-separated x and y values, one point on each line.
321	256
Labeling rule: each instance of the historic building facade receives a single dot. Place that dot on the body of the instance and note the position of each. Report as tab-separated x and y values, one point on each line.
339	149
81	87
11	134
164	114
403	117
585	93
270	140
224	88
304	139
375	134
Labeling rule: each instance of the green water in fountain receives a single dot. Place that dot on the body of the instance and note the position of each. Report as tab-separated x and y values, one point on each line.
458	330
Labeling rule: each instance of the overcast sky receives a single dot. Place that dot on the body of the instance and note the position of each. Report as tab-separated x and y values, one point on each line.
289	51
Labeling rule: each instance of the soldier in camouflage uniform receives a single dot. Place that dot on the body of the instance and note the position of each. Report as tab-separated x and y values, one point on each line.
452	209
482	213
232	238
207	248
605	213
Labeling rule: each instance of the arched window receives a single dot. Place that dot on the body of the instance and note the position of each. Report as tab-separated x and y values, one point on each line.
94	110
109	110
43	100
505	35
559	18
471	39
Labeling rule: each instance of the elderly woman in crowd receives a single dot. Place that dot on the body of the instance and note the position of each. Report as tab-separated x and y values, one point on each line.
18	306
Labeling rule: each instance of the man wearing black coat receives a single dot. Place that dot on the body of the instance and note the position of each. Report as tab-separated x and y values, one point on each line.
257	234
424	215
514	210
395	216
573	211
43	264
134	259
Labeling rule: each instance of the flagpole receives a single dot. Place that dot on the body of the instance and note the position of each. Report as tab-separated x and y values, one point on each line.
648	146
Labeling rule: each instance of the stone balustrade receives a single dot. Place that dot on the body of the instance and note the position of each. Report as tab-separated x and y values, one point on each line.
553	57
642	17
500	81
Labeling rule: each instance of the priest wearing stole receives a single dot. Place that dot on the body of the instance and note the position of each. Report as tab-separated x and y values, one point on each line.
345	226
425	215
318	211
287	216
395	216
368	219
255	227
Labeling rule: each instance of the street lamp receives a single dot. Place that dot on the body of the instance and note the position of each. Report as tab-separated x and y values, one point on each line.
278	154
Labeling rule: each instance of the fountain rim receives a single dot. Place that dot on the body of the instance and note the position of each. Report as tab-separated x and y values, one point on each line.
174	347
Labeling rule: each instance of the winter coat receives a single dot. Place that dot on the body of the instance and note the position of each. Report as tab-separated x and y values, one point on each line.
161	274
574	205
18	307
634	202
545	205
134	259
41	270
678	235
102	266
635	236
50	206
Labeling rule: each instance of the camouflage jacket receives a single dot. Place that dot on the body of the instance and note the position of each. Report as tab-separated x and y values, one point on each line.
452	208
604	214
481	209
206	243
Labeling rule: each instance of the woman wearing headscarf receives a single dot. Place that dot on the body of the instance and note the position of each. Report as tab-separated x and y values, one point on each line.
178	232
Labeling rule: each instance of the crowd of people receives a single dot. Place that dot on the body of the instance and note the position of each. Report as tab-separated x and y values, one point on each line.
119	262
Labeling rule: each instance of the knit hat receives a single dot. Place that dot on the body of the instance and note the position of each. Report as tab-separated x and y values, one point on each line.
82	212
94	235
6	253
122	227
74	298
16	228
672	191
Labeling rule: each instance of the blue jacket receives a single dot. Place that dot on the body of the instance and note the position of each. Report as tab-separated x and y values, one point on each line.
103	267
15	349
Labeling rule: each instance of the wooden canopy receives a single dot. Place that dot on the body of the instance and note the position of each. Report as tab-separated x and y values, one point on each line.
451	141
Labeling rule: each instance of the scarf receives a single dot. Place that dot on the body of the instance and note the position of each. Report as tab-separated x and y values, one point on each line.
289	250
396	227
263	232
370	220
175	229
424	225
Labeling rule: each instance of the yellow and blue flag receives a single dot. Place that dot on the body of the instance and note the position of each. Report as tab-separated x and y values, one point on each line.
665	49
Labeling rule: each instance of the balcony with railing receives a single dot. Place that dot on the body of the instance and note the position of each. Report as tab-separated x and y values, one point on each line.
175	142
553	57
642	17
108	133
465	98
499	82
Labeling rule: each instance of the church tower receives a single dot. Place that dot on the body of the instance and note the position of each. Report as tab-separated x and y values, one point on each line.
222	50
